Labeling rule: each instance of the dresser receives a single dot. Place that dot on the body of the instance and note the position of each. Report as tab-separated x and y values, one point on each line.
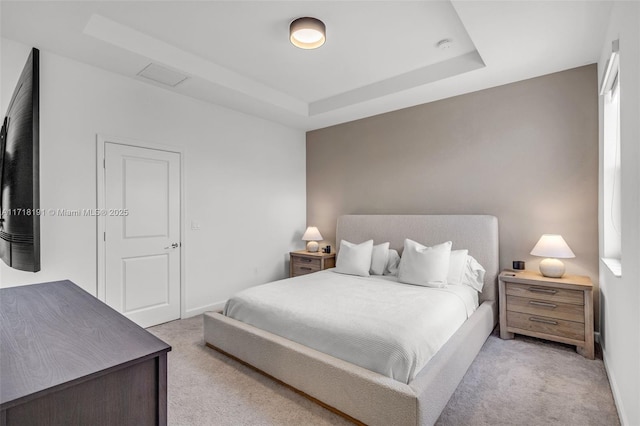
557	309
68	359
303	262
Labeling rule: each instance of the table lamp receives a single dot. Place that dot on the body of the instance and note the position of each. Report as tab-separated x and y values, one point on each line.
552	246
312	236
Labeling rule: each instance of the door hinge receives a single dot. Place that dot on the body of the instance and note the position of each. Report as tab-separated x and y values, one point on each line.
104	236
104	163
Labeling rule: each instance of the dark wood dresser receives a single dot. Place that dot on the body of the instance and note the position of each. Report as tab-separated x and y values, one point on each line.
68	359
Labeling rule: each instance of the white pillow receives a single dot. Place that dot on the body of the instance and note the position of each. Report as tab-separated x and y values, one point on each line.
392	263
473	274
379	257
457	263
425	266
354	259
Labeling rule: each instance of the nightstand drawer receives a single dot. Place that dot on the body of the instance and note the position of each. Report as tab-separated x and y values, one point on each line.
541	324
559	295
304	269
306	261
552	309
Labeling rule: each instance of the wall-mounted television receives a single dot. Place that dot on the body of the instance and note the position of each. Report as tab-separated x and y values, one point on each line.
20	172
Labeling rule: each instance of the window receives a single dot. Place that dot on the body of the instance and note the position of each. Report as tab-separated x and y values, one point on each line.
612	217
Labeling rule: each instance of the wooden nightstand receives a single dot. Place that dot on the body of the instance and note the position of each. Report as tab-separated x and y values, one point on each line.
304	262
558	309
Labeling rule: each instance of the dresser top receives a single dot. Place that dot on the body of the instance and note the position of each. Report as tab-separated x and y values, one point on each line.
55	333
317	254
531	277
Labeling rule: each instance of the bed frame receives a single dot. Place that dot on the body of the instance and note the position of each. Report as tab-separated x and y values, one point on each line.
356	392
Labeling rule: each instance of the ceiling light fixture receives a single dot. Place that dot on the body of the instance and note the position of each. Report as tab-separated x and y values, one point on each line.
307	33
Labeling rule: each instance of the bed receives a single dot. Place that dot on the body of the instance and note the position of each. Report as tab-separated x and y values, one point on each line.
360	393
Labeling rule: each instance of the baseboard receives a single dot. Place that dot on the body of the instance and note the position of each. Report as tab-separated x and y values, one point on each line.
217	307
614	390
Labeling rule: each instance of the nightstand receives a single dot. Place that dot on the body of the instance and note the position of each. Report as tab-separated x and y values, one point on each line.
557	309
304	262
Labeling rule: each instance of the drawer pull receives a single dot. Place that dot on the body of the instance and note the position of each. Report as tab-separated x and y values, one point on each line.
543	290
546	321
305	268
304	259
544	304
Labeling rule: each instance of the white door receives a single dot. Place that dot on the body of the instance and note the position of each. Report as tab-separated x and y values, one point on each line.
142	238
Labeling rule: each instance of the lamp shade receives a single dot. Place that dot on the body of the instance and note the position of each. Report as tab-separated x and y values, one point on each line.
312	234
552	245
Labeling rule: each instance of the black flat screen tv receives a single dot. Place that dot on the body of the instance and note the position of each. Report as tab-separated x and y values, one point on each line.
20	172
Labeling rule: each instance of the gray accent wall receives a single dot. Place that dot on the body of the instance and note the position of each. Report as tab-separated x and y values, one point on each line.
526	152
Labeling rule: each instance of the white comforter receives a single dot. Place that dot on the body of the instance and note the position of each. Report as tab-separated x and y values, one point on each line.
377	323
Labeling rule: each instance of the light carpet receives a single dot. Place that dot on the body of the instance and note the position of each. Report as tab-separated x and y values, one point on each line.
512	382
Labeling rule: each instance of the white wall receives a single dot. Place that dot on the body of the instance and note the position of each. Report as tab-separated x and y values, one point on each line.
620	297
244	177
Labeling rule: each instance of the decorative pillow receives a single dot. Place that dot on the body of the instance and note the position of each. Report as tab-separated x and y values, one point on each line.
354	259
457	263
473	274
425	266
379	257
392	263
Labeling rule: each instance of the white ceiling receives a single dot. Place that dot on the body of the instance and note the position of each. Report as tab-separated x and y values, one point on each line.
379	56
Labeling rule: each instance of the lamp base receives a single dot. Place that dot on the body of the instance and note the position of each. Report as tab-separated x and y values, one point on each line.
312	246
552	268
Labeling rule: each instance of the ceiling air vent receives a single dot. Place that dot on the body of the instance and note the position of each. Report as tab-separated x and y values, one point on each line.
162	75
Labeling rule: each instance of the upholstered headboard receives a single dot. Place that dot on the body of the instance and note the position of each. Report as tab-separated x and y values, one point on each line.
477	233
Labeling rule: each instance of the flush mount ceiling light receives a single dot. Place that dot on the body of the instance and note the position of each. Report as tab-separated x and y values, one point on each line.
307	33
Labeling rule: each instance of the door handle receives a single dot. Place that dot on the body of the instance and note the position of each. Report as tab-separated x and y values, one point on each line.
174	245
